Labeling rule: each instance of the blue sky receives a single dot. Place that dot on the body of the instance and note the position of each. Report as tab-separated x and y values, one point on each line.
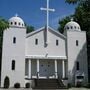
29	11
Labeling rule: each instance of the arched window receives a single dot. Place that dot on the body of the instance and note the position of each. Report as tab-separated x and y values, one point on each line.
15	23
11	23
14	40
19	23
75	27
71	27
76	42
6	82
36	41
13	64
57	42
77	65
67	27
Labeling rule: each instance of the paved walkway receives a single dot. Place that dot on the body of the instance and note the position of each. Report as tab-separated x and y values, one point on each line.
46	89
79	89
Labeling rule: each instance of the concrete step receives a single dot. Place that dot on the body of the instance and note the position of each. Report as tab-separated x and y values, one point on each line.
48	84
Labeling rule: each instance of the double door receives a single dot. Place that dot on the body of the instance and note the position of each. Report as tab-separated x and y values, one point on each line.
46	68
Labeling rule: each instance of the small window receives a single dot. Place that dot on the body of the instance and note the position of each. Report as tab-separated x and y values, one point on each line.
11	23
71	27
76	42
13	64
14	40
67	27
19	23
36	41
75	27
15	23
77	65
57	42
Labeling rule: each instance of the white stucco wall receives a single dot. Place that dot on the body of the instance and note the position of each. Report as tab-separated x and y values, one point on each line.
13	52
77	53
40	49
25	46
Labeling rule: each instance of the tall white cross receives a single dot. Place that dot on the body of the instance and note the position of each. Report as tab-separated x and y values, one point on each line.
47	9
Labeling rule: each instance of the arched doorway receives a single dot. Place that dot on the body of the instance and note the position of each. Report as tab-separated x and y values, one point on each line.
6	82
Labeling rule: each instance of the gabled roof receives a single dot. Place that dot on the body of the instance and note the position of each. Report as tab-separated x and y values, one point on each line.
34	32
56	32
43	28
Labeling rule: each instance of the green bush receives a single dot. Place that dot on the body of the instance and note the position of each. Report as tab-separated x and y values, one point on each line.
27	85
88	85
17	85
69	85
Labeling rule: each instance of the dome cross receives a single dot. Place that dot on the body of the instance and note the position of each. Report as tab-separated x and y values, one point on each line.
16	15
72	19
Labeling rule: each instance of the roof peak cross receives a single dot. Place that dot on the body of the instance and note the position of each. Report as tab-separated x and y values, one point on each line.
72	19
16	15
47	9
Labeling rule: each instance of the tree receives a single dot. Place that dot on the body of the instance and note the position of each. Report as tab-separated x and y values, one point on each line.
29	28
83	18
78	2
63	22
81	15
3	25
72	1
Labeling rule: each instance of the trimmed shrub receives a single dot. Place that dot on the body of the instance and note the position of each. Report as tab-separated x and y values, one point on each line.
27	85
17	85
88	85
6	82
69	85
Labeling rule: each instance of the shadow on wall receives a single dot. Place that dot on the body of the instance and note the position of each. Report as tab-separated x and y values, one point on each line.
82	64
45	37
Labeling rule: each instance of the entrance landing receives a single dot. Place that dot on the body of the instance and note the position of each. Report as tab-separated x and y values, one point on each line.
48	84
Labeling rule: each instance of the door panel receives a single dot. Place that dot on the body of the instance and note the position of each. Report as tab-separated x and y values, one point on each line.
46	68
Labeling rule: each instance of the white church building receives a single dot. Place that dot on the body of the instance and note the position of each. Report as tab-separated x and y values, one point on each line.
43	54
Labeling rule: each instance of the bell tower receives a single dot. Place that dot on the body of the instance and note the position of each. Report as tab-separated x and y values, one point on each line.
76	52
13	55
